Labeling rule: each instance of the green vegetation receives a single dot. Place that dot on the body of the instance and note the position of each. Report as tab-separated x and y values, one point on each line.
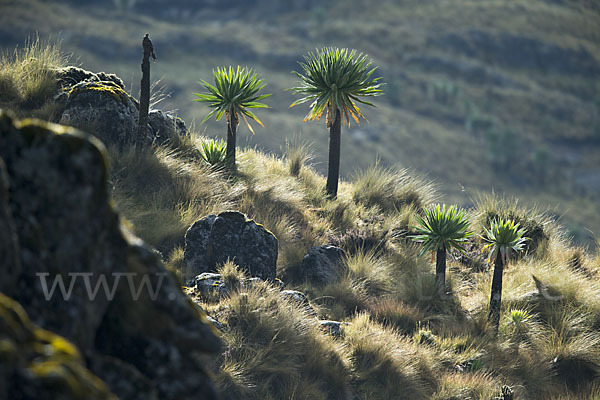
503	237
398	338
334	80
235	92
213	152
442	230
398	329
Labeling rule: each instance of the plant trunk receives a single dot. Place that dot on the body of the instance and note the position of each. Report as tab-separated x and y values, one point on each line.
440	270
333	169
231	132
496	296
144	97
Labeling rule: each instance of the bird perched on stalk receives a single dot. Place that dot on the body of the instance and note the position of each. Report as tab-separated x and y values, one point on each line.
147	44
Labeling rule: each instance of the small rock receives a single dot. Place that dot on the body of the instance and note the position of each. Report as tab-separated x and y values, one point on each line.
209	283
334	328
299	298
165	126
324	264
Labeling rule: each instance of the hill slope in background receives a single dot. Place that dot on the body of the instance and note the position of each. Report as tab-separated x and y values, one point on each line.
480	95
372	324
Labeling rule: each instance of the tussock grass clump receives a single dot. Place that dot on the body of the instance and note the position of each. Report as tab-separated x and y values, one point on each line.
538	226
28	80
387	365
162	193
370	271
231	275
396	314
467	386
342	300
297	155
390	190
276	351
572	346
366	276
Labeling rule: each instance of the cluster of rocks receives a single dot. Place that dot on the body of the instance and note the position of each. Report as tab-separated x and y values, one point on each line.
210	286
231	236
139	338
98	103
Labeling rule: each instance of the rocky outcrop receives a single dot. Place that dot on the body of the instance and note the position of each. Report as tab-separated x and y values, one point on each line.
214	240
37	364
119	306
104	109
323	264
98	103
71	76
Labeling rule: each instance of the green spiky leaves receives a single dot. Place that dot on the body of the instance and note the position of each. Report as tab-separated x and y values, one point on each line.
213	152
504	236
336	79
442	227
234	93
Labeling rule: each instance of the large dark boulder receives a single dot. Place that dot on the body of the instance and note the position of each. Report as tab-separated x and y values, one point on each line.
64	224
96	102
323	264
214	240
37	364
104	109
8	239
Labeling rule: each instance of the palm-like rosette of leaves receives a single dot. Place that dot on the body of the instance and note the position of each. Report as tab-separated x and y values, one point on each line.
213	152
234	93
504	236
442	227
333	79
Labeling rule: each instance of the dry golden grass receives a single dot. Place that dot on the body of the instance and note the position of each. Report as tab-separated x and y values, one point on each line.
403	340
28	79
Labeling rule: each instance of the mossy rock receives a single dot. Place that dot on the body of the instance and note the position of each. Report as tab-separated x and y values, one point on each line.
37	364
64	223
103	109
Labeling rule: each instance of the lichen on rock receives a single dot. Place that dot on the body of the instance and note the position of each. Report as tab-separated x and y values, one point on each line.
64	224
101	108
37	364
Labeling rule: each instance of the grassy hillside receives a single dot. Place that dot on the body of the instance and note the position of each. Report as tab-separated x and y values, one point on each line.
496	95
399	339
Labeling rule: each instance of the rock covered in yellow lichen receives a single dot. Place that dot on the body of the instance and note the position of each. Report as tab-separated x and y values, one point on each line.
37	364
142	334
102	108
